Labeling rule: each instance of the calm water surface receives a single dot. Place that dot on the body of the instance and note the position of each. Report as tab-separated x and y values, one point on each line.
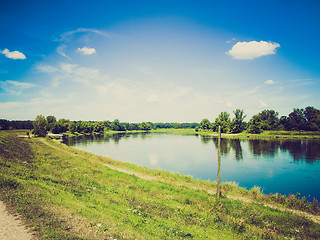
283	166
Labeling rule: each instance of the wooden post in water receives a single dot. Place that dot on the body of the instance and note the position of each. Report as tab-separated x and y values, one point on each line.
219	162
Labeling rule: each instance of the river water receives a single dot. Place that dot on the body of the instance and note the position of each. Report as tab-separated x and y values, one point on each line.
283	166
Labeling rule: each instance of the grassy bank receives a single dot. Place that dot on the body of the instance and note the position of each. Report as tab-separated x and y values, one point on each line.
65	193
266	135
243	135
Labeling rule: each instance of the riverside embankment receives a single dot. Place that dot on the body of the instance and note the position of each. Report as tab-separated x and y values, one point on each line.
62	192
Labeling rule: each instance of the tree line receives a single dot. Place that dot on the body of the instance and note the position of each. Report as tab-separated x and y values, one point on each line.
307	119
42	125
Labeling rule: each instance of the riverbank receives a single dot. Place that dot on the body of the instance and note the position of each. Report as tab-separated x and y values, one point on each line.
191	131
67	193
266	135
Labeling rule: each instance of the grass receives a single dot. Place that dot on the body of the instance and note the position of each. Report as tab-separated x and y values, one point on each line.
65	193
267	135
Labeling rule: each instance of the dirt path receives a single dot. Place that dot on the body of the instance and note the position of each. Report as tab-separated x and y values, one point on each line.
314	218
11	227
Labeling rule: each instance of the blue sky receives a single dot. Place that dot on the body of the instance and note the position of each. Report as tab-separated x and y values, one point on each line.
175	61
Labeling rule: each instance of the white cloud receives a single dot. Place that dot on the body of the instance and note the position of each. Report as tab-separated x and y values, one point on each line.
263	104
13	54
15	87
270	82
87	51
253	49
79	36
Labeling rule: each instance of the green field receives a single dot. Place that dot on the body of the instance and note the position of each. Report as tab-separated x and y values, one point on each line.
65	193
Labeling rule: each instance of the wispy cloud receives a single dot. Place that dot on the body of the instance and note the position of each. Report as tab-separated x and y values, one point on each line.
80	35
263	104
231	40
270	82
61	50
15	87
13	54
72	72
253	49
68	36
47	68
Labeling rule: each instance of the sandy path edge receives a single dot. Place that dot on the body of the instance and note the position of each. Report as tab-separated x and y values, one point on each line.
11	227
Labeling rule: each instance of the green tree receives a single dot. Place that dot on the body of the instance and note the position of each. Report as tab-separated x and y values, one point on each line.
144	126
237	124
51	121
73	127
296	120
107	124
98	127
205	124
117	126
312	116
40	126
60	126
269	120
222	120
255	124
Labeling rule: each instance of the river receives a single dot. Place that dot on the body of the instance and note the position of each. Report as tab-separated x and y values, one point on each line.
282	166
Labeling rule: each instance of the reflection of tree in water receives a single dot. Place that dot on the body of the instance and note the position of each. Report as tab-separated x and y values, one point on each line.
236	146
144	135
302	150
206	139
267	148
229	144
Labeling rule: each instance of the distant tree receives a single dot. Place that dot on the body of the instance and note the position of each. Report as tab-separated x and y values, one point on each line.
297	120
107	124
51	120
22	124
265	120
269	120
255	124
237	124
73	127
5	124
98	127
145	126
60	126
284	123
117	126
222	120
134	126
40	126
205	124
312	115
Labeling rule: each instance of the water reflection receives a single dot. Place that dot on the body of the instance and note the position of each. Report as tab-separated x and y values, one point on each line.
264	147
302	150
228	145
308	150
